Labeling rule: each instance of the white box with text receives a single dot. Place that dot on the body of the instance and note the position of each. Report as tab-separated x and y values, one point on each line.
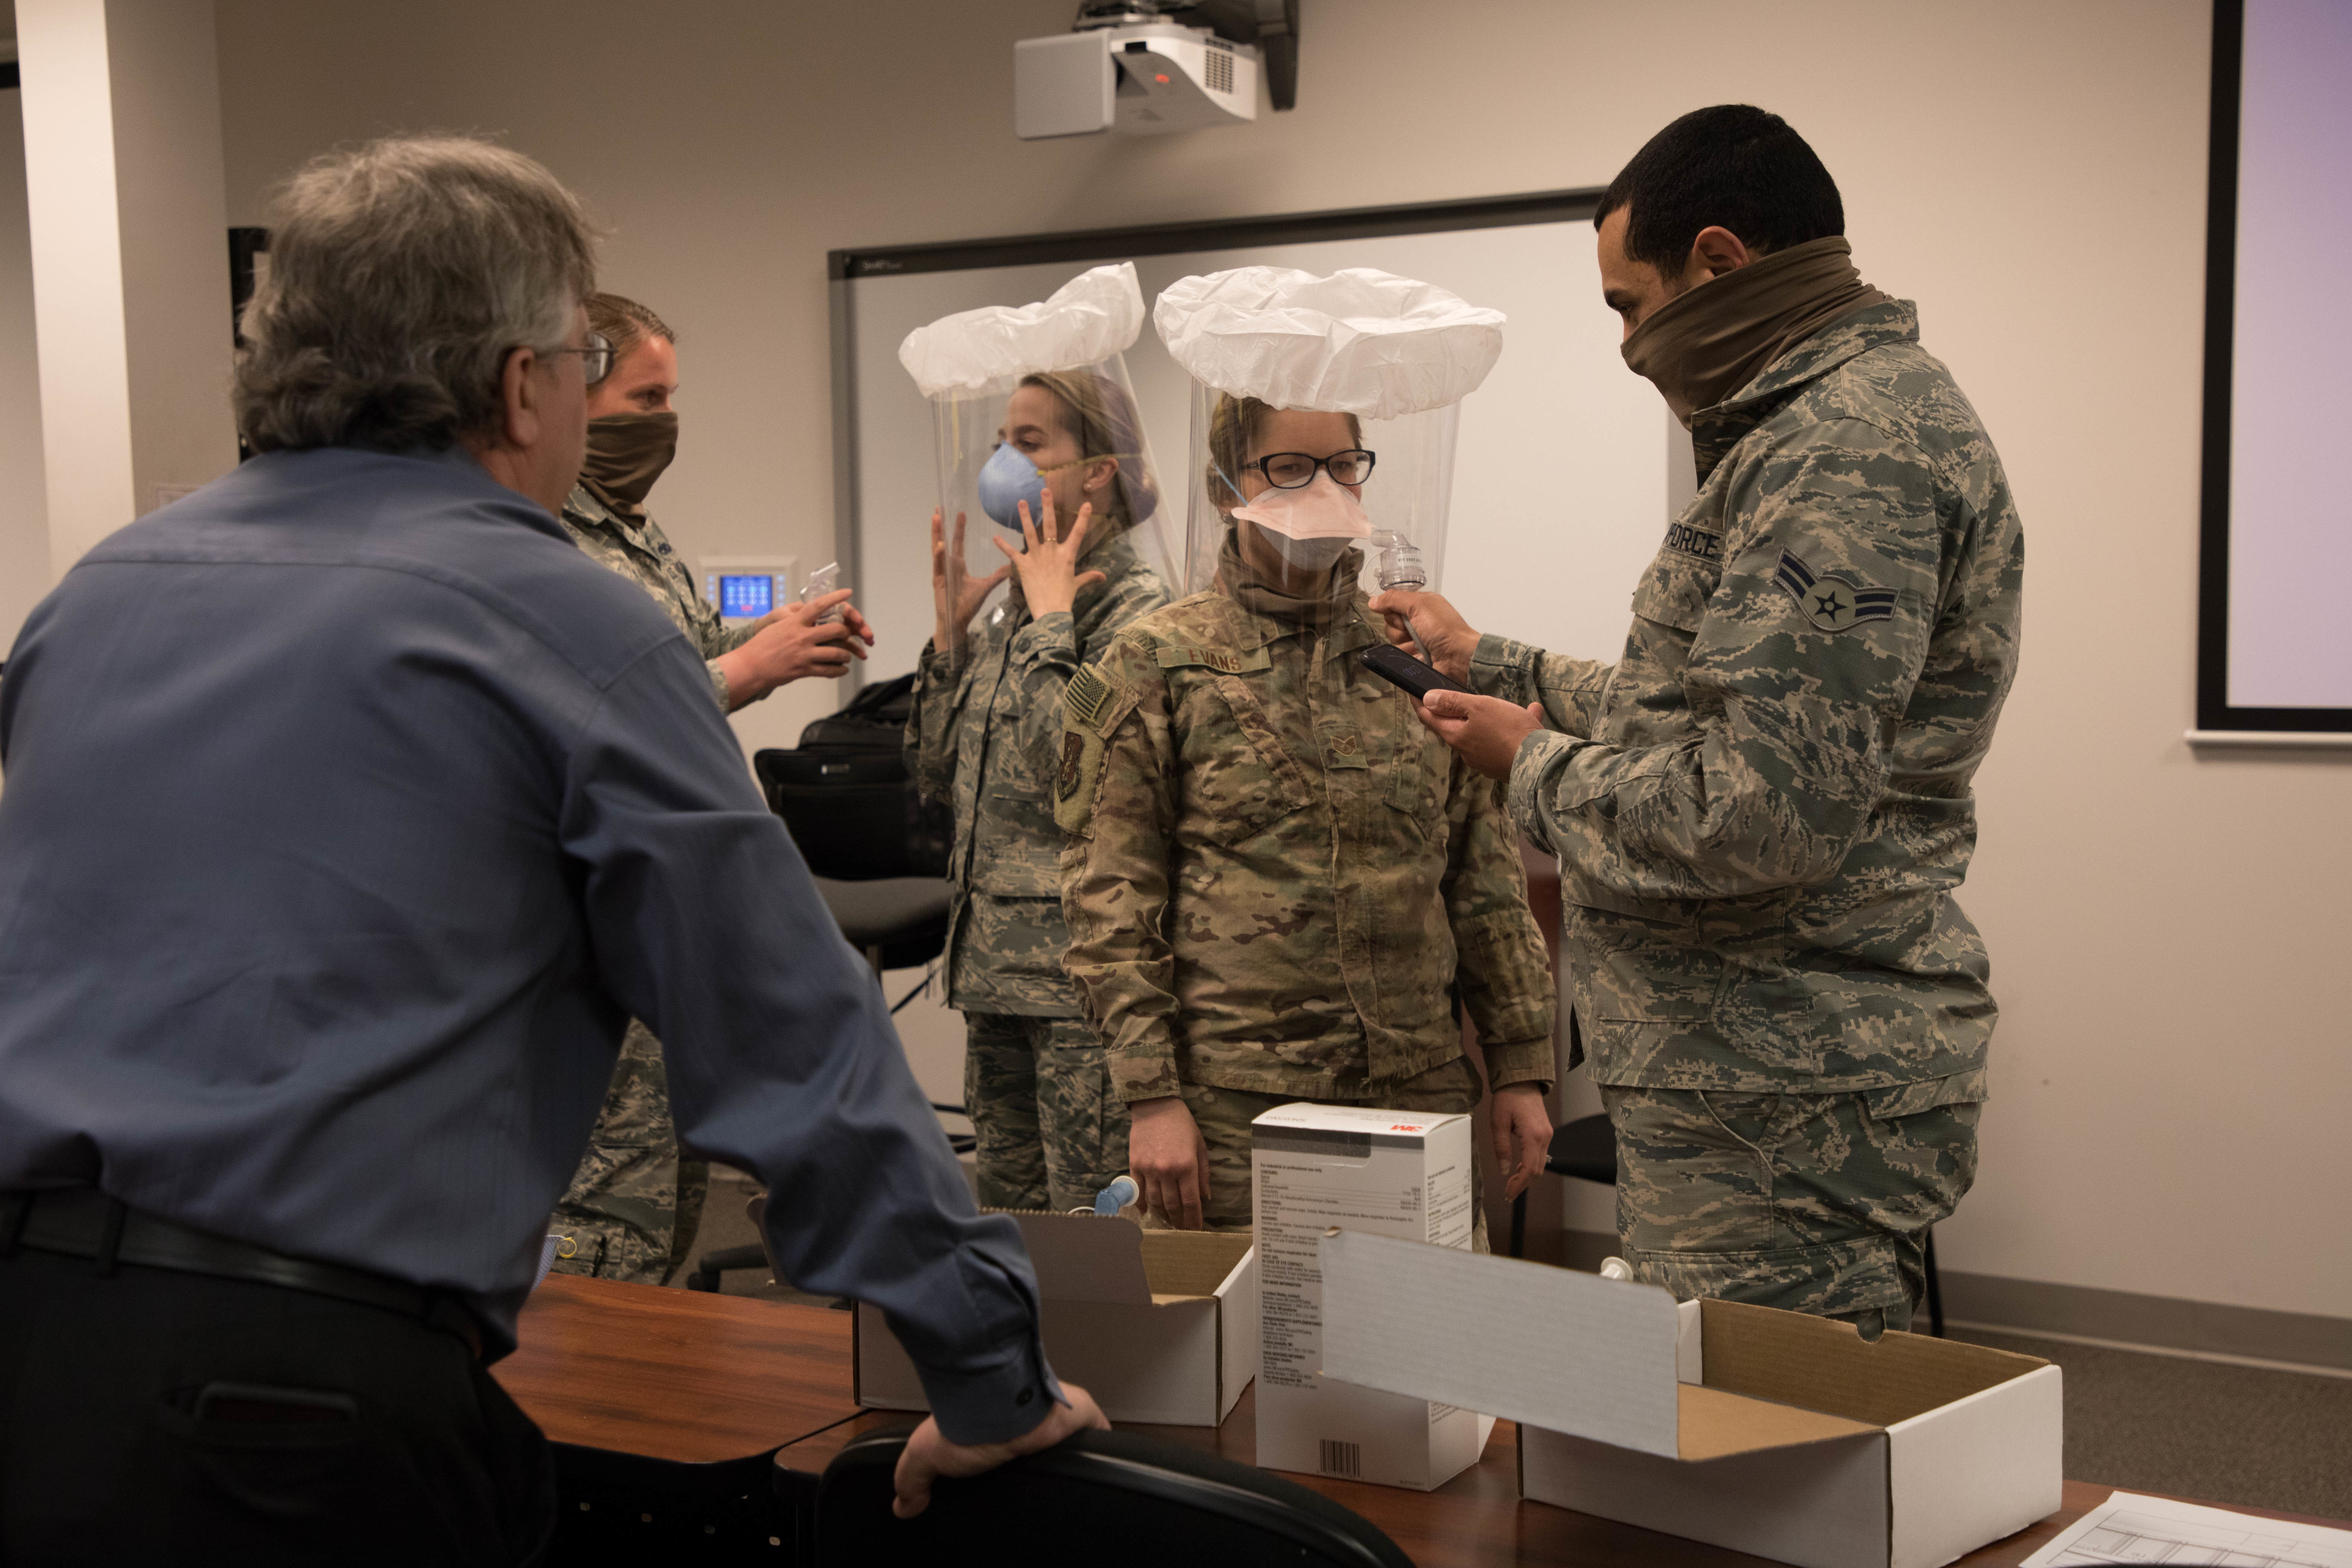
1390	1173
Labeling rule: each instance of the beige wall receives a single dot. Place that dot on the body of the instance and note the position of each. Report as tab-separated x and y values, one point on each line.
2172	1067
25	522
123	175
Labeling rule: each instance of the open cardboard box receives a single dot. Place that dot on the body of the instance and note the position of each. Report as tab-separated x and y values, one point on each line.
1768	1432
1159	1326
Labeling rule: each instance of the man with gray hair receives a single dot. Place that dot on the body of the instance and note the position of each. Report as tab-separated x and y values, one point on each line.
350	812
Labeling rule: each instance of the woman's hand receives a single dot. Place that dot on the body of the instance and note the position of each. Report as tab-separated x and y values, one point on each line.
1522	1130
956	594
1050	578
1169	1160
791	644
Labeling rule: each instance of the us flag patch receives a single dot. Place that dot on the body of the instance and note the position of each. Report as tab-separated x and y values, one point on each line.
1831	600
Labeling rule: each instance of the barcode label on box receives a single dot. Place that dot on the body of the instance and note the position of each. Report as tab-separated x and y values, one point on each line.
1342	1458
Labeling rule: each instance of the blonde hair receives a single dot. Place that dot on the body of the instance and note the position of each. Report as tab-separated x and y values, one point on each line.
1098	415
624	324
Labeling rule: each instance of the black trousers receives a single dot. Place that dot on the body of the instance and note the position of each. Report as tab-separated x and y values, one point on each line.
150	1417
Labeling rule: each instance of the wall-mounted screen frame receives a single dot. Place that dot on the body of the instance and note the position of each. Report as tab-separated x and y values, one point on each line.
2240	652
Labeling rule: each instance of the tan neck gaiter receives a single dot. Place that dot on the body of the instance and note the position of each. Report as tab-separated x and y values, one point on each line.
626	453
1254	590
1703	345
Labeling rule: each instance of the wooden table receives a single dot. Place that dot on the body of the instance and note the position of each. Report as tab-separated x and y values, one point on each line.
665	1408
686	1380
1478	1517
676	1374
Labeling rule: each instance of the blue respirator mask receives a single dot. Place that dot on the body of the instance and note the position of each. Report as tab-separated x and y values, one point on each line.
1007	479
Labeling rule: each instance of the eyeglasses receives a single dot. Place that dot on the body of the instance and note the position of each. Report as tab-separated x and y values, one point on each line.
596	360
1294	470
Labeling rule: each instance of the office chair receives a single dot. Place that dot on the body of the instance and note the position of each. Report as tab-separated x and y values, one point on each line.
1100	1497
851	813
1586	1149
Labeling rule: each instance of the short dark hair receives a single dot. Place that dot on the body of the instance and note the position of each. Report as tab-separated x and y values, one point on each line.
1734	166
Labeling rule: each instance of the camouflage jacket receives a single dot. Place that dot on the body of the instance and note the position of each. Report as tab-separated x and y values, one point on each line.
984	735
1277	880
1762	809
642	551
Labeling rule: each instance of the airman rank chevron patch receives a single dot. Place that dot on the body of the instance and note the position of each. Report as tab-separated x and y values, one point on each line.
1832	600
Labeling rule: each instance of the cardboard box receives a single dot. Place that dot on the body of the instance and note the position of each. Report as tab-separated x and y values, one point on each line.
1159	1326
1768	1432
1396	1173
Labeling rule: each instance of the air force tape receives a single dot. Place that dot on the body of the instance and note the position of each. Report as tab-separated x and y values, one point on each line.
1832	600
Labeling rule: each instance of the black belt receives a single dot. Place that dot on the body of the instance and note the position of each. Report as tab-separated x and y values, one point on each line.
82	1222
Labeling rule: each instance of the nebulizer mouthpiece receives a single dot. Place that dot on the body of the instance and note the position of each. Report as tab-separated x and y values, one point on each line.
1397	565
1397	562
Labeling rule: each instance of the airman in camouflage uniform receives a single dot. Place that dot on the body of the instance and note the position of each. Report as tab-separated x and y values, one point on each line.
639	549
1762	811
985	734
634	1203
1279	882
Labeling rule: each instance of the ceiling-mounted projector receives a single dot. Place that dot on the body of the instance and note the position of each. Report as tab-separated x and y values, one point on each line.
1132	66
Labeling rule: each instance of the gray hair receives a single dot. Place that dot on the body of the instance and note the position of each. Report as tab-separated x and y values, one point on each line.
401	274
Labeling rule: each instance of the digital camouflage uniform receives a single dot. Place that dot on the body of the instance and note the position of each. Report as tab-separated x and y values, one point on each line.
1278	881
1761	812
634	1205
985	734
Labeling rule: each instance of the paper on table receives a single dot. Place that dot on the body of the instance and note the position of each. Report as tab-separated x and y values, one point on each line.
2130	1528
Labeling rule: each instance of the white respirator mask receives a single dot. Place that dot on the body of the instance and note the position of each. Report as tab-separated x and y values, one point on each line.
1311	526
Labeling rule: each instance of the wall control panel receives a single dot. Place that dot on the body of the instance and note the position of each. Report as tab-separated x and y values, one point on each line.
745	587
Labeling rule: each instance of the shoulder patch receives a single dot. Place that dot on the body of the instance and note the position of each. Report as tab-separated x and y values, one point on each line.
1083	699
1694	542
1074	784
1833	601
1217	658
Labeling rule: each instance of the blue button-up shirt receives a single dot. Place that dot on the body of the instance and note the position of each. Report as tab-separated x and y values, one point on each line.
350	812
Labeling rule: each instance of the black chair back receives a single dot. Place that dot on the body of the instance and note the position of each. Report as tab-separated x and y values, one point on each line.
844	795
1101	1496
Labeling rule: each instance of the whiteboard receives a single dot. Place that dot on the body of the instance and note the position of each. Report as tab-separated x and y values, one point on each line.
1562	476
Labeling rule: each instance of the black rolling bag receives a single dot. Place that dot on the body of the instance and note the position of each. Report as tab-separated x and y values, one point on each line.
844	792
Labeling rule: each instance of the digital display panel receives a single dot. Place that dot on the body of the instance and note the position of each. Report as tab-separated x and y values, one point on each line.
746	597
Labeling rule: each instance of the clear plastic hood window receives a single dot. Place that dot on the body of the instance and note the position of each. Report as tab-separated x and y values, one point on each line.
1323	424
1032	405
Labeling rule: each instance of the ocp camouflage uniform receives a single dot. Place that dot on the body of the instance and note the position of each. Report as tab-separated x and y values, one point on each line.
1762	811
984	735
634	1205
1279	882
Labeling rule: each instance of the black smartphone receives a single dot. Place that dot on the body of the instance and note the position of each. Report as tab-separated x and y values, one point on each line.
1398	667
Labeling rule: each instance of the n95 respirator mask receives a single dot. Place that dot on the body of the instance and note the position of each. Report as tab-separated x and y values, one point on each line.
1311	526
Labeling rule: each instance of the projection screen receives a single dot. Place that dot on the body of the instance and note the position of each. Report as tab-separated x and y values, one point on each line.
2274	637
